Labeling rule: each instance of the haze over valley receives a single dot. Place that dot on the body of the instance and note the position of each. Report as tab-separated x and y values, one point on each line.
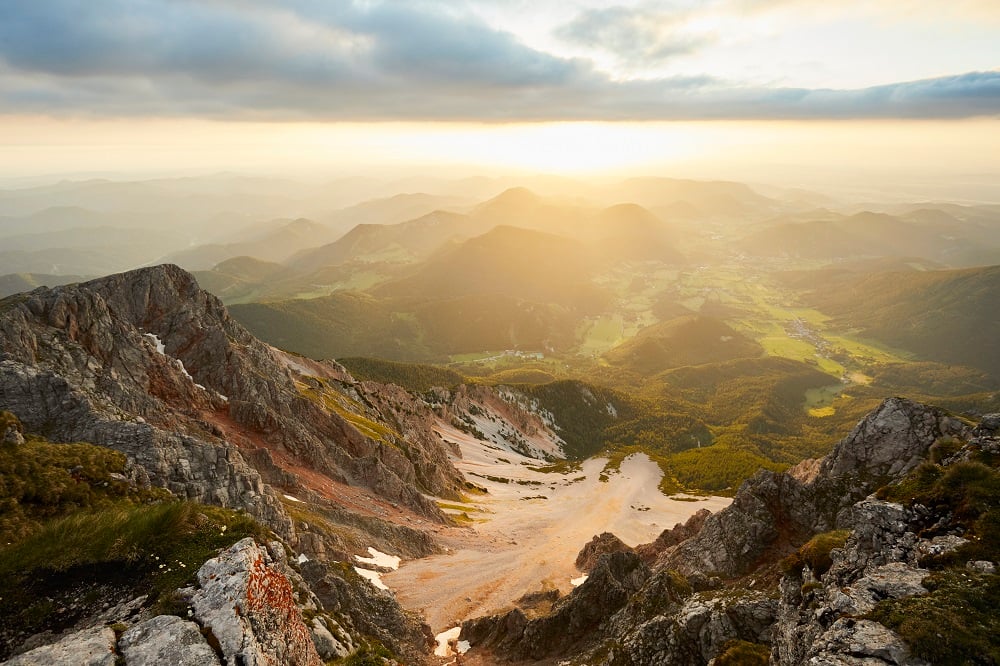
493	332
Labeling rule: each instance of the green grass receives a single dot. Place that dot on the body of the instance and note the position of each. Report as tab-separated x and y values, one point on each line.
958	622
558	467
819	401
178	535
968	490
89	559
40	480
815	553
717	469
601	334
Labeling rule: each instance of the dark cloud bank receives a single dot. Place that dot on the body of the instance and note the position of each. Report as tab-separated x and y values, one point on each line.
313	59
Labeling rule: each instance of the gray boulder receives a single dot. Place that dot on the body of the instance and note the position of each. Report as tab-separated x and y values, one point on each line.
91	647
249	606
166	639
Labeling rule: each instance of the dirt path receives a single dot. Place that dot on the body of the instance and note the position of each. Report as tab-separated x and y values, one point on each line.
521	542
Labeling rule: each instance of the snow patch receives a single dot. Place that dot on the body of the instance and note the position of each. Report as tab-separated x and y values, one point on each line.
160	347
444	641
373	577
293	499
180	364
577	582
378	558
302	558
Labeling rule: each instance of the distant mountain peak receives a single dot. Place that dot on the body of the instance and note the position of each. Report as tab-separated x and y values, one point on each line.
514	197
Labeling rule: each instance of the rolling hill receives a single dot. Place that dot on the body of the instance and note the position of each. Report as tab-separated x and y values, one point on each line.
630	232
867	234
687	340
690	199
277	243
946	316
405	241
344	324
506	261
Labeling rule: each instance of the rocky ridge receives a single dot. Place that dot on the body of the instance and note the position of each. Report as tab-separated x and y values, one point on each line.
148	364
244	610
715	584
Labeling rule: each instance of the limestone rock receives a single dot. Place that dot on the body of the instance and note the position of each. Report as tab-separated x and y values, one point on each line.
249	607
989	425
574	618
90	647
10	430
166	639
860	643
327	645
649	552
981	567
147	363
369	610
695	633
599	545
891	581
779	511
664	620
889	442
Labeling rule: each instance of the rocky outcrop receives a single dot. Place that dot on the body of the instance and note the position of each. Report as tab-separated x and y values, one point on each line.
166	639
880	560
601	544
772	513
709	581
11	430
863	642
694	633
148	363
91	647
649	552
414	420
249	607
327	644
574	619
367	610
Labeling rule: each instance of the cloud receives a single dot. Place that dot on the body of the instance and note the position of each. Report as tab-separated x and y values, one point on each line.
313	59
635	35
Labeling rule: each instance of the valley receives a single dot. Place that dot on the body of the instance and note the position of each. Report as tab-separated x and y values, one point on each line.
524	533
499	333
480	390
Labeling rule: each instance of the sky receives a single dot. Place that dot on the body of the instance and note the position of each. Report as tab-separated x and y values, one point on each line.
569	85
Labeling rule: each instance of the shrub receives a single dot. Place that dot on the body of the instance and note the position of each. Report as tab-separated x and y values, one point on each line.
743	653
958	622
815	553
41	480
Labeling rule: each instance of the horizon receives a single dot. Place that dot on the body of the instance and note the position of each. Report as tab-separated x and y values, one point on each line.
903	97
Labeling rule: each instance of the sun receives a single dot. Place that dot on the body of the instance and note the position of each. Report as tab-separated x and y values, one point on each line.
563	147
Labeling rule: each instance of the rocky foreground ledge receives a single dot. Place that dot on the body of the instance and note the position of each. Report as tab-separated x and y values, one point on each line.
244	611
806	566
